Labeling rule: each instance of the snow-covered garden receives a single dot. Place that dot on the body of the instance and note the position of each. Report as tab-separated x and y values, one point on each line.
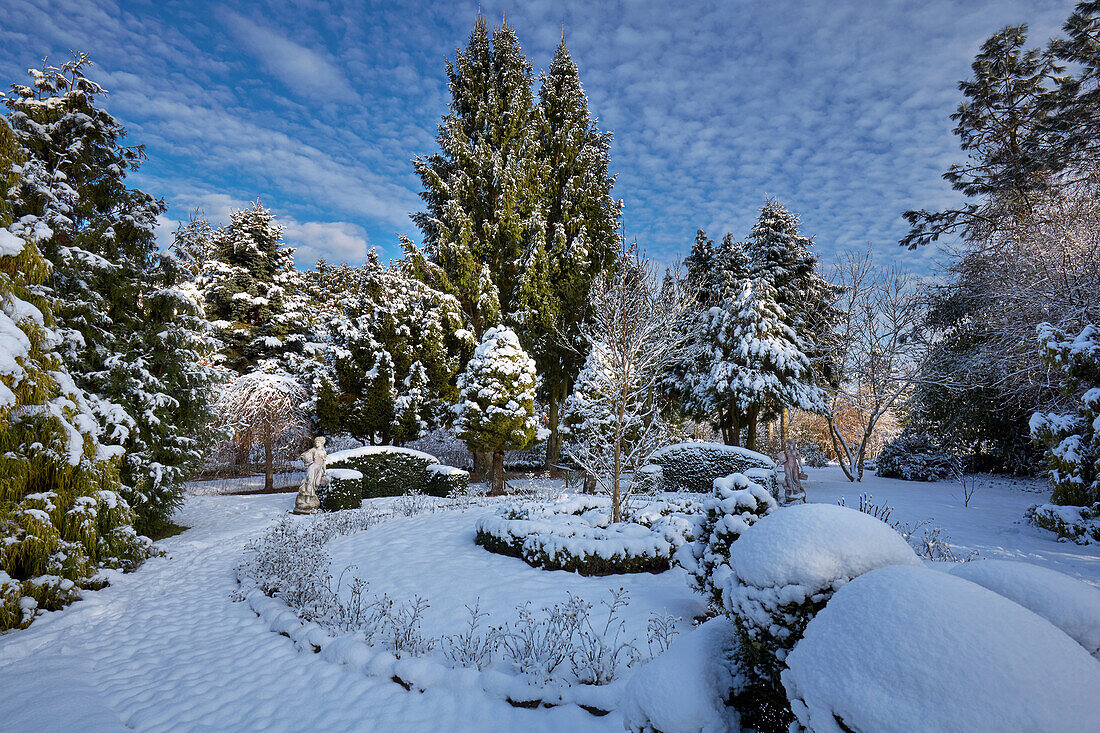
524	477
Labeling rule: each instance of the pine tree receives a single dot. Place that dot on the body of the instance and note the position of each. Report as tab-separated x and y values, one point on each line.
496	400
1003	126
582	237
483	190
61	516
131	338
249	285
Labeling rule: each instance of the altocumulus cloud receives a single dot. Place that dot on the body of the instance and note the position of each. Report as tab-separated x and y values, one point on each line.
839	109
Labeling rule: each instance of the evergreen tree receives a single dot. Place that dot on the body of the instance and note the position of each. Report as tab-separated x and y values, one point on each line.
758	365
249	286
484	189
496	400
131	338
582	237
1076	119
61	516
1073	448
1003	125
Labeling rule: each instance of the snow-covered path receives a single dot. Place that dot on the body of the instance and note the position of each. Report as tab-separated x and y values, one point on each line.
164	649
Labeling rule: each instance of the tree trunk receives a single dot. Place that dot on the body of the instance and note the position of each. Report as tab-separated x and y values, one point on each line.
243	445
735	428
269	462
553	445
783	426
498	474
750	439
483	465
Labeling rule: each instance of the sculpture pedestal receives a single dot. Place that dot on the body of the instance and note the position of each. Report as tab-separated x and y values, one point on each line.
306	503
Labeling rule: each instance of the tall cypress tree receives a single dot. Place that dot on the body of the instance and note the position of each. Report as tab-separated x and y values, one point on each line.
582	237
484	189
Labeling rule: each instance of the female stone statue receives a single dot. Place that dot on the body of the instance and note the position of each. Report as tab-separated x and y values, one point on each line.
791	463
314	458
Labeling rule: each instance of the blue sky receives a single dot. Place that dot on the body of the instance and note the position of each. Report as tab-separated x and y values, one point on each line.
839	109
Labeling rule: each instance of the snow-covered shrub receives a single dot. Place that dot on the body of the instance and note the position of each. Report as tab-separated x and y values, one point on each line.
537	644
908	648
578	536
344	490
412	503
473	648
694	466
1070	604
649	480
736	503
813	456
785	567
1080	524
446	480
914	458
684	689
386	470
1073	448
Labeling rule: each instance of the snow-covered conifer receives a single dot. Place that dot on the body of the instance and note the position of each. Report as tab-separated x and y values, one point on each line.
1071	438
496	399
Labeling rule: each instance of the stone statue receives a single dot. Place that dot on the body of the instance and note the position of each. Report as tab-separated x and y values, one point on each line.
791	463
314	458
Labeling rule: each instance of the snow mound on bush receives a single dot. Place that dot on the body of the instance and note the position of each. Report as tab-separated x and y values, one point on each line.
682	690
812	545
913	649
1068	603
720	447
369	450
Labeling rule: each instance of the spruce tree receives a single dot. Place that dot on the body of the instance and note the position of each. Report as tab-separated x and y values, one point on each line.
61	515
582	237
249	285
131	338
484	189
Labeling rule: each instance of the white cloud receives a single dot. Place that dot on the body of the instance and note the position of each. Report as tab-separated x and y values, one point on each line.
336	241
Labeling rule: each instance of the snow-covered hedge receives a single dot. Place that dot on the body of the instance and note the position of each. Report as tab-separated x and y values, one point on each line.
577	535
694	466
914	458
1068	603
386	470
344	490
737	502
785	568
1078	523
908	648
446	480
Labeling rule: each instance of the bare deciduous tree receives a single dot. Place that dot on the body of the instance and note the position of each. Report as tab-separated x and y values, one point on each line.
879	352
612	416
266	409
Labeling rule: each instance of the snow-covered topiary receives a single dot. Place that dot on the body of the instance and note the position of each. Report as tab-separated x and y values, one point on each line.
1073	448
914	458
385	470
786	566
736	504
908	648
695	466
1070	604
344	490
496	402
446	480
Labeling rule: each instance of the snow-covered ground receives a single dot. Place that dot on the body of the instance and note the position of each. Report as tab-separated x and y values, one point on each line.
165	648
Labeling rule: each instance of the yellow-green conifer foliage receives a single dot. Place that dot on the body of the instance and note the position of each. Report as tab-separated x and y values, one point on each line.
61	518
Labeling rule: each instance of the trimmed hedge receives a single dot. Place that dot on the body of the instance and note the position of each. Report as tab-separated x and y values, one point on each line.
344	490
446	480
694	466
385	470
1081	524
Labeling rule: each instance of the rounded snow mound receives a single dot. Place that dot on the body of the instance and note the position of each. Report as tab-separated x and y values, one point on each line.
1070	604
913	649
813	545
